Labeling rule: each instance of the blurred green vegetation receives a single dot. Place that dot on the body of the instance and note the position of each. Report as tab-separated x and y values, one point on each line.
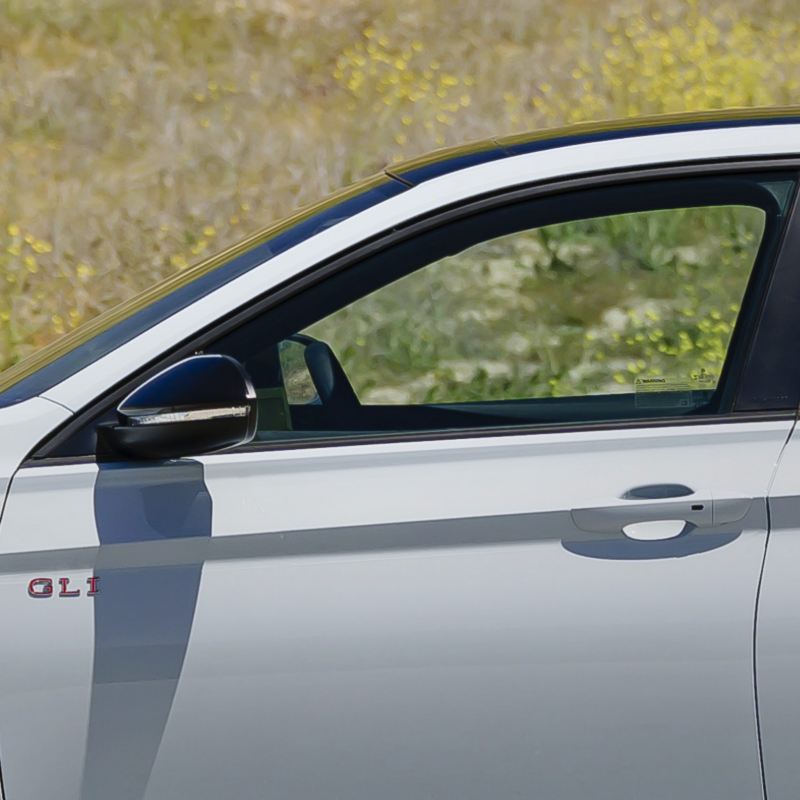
577	308
140	137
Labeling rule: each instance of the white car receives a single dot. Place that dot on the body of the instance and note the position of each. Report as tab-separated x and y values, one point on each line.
479	480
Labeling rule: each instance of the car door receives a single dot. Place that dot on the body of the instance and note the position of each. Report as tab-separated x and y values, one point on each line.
777	632
500	531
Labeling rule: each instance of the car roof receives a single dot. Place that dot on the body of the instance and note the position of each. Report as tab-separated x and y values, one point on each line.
446	160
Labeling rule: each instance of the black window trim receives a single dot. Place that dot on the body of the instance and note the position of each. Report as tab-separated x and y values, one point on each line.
787	250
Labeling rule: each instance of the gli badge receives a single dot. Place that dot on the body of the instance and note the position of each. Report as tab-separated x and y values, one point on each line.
45	587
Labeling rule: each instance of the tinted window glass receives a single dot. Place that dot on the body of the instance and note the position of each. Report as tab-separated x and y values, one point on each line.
601	306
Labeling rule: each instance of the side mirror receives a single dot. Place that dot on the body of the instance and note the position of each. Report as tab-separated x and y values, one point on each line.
334	390
199	405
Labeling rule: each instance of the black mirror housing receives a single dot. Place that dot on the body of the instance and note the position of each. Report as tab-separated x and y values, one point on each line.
202	404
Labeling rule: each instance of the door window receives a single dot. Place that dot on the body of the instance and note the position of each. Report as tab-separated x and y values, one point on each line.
622	303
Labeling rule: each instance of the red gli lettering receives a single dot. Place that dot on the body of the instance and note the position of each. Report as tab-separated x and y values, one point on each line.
40	587
92	585
64	591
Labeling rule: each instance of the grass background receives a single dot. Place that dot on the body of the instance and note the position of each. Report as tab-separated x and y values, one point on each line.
579	308
139	137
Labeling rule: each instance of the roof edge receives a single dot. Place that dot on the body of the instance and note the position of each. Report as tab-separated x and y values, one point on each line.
444	160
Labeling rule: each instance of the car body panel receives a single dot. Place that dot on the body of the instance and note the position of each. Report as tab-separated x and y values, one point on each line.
778	633
430	600
21	427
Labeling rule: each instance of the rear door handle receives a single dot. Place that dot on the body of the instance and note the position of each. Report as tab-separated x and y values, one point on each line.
699	509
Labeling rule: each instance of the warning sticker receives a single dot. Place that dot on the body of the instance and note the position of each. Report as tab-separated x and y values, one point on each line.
658	392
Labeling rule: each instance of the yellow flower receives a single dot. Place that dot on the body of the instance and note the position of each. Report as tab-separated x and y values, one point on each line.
84	271
209	230
178	261
13	229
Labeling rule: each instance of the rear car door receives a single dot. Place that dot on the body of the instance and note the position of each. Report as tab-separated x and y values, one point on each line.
500	531
777	629
778	634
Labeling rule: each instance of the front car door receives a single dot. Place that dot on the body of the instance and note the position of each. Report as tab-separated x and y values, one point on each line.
500	532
